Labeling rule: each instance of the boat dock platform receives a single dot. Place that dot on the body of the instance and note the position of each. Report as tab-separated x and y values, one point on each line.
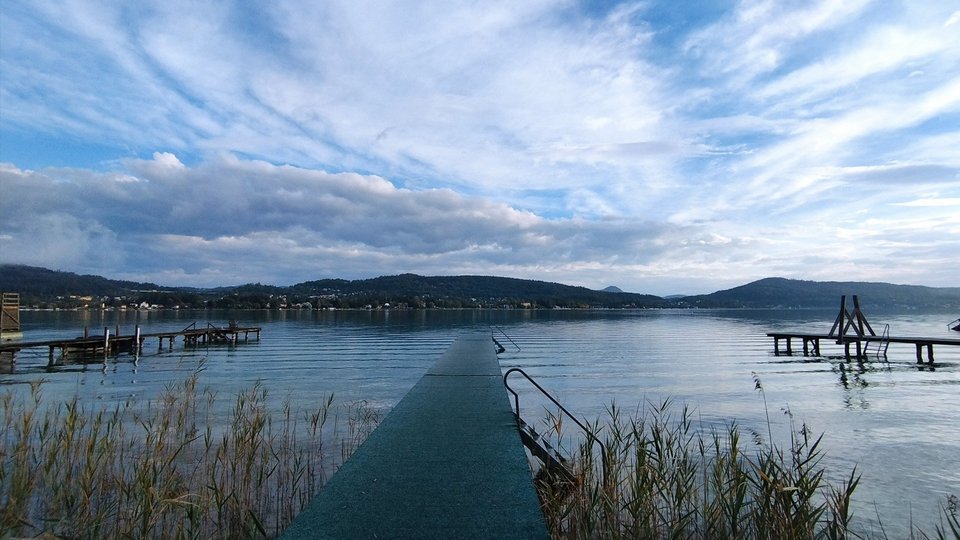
446	462
811	344
851	329
109	343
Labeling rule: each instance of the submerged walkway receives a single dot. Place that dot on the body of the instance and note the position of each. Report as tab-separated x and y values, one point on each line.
447	462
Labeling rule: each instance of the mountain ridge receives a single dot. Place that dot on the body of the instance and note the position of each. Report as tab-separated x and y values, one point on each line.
40	285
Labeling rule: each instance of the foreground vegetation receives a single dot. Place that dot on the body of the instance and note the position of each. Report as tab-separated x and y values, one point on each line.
166	469
171	469
659	477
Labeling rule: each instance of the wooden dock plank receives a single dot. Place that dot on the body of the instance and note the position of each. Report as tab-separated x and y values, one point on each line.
447	462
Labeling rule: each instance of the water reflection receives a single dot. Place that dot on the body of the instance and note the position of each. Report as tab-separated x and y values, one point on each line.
588	359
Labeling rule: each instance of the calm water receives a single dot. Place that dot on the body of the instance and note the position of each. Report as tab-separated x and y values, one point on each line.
899	424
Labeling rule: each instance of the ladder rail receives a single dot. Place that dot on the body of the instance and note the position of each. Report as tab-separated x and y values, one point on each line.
882	344
516	402
497	328
884	341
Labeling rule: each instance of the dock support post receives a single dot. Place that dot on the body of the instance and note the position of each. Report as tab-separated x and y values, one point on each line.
50	362
106	343
776	346
846	350
919	353
789	348
806	346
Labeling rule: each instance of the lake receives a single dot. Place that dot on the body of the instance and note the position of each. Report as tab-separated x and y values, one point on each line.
897	422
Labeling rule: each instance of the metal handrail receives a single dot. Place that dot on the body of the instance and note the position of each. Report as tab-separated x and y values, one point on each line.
192	325
516	403
885	341
493	326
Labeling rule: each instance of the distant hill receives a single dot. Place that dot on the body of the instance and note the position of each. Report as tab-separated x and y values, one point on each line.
36	282
483	289
613	289
792	293
41	286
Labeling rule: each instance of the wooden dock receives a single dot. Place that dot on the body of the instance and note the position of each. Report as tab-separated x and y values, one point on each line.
110	344
853	331
447	462
860	344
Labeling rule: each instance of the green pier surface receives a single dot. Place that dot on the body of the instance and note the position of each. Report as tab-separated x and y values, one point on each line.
447	462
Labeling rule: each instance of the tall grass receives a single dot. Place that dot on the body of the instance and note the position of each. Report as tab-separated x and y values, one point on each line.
167	468
665	478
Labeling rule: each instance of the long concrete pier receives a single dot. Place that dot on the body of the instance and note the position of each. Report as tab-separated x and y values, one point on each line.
447	462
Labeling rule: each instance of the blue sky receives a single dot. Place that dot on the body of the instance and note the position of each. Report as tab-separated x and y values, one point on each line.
663	147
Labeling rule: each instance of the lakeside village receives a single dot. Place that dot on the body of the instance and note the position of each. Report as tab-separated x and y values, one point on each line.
156	300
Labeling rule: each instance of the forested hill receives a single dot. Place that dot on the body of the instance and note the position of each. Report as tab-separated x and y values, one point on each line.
48	288
36	282
792	293
43	287
473	290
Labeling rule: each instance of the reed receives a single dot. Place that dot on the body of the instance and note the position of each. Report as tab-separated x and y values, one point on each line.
165	468
667	478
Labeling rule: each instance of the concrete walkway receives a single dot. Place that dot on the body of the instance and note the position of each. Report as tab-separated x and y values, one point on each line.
447	462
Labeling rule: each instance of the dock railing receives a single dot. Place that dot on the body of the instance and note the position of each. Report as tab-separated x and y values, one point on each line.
516	405
500	348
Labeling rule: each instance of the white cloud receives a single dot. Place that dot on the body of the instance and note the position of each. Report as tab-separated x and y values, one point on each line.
757	35
524	138
243	217
936	202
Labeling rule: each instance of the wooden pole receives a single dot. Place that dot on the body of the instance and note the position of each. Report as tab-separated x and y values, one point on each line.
858	314
838	322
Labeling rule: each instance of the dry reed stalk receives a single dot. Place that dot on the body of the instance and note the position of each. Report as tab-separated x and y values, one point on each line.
163	469
667	479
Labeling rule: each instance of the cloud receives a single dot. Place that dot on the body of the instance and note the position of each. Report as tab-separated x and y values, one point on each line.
57	240
545	138
758	37
949	201
248	220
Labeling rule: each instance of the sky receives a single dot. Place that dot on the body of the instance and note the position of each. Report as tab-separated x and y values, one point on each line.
663	147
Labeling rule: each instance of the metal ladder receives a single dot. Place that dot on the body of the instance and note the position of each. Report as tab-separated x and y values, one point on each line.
882	345
540	447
